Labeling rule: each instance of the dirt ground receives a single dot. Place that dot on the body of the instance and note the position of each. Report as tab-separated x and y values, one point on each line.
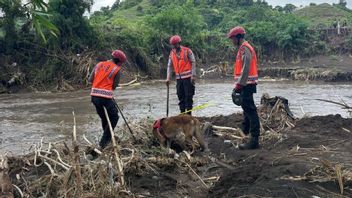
271	171
283	167
300	161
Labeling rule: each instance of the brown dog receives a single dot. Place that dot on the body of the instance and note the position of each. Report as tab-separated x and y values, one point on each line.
166	129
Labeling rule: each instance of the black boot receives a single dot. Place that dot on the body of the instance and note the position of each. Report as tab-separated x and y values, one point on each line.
252	144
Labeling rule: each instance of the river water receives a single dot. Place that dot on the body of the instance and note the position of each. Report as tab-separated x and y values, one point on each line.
26	118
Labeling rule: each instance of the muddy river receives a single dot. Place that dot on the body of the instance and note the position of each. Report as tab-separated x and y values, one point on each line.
26	118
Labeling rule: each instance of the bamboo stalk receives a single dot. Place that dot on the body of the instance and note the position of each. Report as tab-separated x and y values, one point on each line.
225	128
76	157
237	137
59	158
90	144
230	129
18	189
54	161
50	168
129	83
66	184
117	157
339	177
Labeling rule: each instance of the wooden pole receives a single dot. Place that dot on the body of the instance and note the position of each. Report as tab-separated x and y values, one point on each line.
116	151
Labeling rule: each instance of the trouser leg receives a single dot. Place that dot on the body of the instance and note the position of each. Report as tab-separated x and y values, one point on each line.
245	123
250	110
99	104
189	90
181	95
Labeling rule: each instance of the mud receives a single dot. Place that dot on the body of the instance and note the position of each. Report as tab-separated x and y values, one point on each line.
278	169
270	171
291	163
288	164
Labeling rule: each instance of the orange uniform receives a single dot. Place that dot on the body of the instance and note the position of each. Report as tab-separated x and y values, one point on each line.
103	82
253	70
182	64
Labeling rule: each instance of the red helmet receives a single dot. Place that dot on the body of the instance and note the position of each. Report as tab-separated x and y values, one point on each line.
175	39
119	55
236	31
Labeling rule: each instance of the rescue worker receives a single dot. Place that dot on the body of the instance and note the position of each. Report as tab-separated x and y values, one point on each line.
184	66
246	79
105	77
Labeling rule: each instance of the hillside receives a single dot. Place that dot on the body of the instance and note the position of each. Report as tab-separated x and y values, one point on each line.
134	13
324	15
142	28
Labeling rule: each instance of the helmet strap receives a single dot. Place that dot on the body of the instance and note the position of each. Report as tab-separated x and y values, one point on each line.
116	60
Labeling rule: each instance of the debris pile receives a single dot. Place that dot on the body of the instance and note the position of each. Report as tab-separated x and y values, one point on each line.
141	168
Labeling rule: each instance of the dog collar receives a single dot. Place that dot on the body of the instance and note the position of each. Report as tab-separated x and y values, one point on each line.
157	124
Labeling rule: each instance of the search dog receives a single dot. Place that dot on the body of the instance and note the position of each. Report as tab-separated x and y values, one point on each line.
167	129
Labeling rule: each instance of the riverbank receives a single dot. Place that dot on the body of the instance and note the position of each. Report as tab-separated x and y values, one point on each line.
307	74
319	68
307	159
330	68
26	118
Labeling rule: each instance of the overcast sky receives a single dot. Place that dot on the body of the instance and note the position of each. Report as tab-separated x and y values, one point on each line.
99	3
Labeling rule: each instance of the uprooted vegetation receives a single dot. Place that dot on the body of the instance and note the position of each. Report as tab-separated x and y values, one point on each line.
68	44
298	158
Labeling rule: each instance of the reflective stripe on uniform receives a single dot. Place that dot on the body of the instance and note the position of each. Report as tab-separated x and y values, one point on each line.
102	93
112	71
183	75
250	80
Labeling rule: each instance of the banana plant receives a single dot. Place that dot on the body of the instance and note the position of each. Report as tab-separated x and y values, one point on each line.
37	10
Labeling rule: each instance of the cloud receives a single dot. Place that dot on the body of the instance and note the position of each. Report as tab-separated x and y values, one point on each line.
102	3
304	2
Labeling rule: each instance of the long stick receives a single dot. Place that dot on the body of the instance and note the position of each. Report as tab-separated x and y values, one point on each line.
76	160
118	108
167	101
345	106
230	129
117	157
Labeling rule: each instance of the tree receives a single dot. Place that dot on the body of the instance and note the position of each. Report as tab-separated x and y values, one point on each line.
257	13
12	10
116	5
76	32
183	20
342	3
279	8
34	12
289	8
105	11
293	37
129	3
